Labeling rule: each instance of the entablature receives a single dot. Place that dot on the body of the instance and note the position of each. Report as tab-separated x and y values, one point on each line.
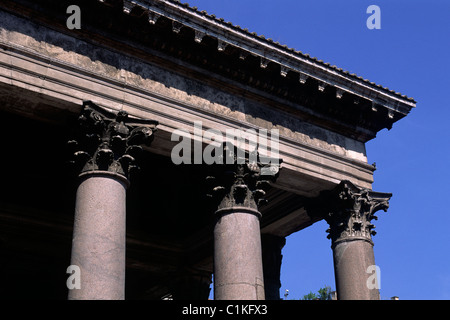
308	88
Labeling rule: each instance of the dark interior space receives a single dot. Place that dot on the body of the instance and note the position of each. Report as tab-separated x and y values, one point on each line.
166	205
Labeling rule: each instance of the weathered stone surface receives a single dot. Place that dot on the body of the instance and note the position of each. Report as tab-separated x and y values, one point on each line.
238	272
98	245
109	142
161	66
104	149
311	154
123	70
240	182
349	211
351	262
238	186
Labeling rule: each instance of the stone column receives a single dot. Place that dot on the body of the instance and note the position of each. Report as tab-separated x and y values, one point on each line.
271	255
349	211
104	149
238	270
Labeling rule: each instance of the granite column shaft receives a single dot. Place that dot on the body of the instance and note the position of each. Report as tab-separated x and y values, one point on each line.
238	187
349	211
238	270
104	150
98	244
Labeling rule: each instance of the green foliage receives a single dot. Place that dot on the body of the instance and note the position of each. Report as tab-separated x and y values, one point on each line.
322	294
310	296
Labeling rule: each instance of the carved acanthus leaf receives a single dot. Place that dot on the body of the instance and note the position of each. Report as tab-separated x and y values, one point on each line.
349	210
109	142
239	180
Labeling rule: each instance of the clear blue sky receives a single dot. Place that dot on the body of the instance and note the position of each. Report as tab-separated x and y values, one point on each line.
409	54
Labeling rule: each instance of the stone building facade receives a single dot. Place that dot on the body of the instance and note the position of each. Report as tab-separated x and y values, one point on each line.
89	116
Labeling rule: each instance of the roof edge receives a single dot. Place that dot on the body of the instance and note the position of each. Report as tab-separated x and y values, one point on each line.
288	58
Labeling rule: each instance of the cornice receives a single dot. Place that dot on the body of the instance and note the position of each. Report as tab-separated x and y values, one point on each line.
182	15
324	94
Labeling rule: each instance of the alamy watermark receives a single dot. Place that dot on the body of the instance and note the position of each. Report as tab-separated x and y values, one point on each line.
374	20
74	280
374	280
262	146
74	20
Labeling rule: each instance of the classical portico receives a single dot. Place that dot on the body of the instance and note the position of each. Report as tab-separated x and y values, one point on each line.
97	110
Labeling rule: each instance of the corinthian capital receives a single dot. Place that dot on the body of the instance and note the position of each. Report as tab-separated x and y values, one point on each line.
349	211
242	178
106	141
